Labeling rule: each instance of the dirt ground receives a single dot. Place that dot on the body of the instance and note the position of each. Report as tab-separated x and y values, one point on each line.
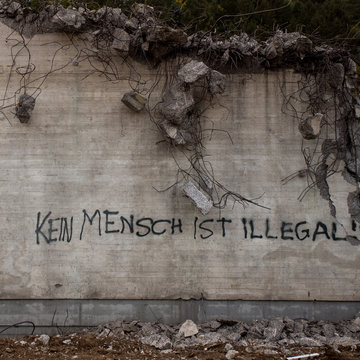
88	346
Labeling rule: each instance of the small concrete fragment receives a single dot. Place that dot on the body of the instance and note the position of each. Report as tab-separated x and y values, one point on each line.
217	82
121	41
188	328
310	127
274	329
134	101
25	108
231	354
193	71
199	197
44	339
178	136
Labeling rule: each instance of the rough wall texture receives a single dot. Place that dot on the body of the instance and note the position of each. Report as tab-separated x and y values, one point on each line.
85	156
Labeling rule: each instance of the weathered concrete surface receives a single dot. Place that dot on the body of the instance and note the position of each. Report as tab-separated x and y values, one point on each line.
84	150
50	314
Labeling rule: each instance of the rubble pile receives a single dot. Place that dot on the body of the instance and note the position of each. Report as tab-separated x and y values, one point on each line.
274	333
143	33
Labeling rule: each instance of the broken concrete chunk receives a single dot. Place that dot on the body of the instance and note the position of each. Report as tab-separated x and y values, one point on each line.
13	8
199	197
274	48
188	328
121	40
173	133
25	108
274	329
311	126
134	101
193	71
44	339
161	342
177	103
68	19
231	354
217	82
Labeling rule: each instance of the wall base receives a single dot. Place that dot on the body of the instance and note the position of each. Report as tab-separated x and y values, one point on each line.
56	316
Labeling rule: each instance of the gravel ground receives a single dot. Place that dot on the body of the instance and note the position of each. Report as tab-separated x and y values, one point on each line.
220	339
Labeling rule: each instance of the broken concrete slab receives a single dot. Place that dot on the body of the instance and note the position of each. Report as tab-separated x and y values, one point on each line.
121	40
311	126
134	101
25	108
193	71
188	328
199	197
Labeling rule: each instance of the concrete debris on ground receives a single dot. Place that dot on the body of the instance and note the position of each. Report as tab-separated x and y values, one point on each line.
134	101
25	107
200	198
44	339
280	338
188	328
311	126
268	334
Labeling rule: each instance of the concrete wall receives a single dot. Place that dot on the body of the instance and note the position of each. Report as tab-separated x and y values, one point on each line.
83	151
